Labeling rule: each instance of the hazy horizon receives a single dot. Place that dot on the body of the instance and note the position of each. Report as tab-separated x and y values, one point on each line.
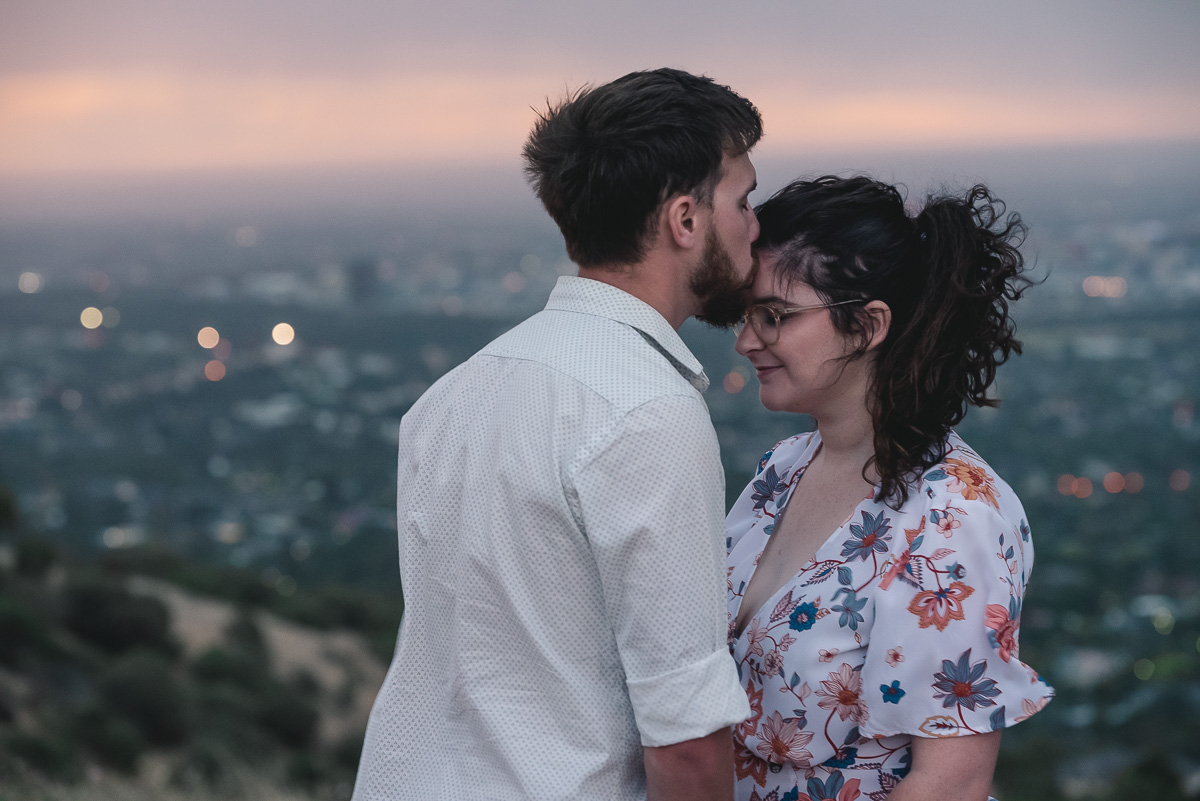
1127	176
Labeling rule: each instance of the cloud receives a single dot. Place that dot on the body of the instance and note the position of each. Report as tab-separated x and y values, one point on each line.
142	85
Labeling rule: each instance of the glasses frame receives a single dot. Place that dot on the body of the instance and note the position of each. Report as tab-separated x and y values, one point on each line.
781	314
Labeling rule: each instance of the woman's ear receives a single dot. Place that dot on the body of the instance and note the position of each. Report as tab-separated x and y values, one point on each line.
878	318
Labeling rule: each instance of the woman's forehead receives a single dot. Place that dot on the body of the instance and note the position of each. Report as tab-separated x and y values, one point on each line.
770	284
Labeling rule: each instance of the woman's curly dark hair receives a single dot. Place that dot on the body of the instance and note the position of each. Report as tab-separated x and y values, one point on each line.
948	275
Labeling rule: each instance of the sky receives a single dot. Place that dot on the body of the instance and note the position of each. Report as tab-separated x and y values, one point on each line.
136	88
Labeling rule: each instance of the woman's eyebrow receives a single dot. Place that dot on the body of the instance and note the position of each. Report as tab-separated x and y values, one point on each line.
771	299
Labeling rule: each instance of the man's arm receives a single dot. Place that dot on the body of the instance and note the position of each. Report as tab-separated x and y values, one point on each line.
652	502
694	770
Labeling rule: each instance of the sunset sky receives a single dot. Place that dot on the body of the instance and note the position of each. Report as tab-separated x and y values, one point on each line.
161	86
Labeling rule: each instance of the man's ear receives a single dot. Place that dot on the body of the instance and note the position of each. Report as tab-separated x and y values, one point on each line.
681	222
878	318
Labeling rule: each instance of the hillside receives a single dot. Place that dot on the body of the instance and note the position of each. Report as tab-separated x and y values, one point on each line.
144	676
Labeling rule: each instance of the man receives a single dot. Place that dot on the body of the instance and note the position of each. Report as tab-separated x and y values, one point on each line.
561	500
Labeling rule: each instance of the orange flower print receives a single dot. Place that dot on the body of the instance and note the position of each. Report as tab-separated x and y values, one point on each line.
746	727
1029	708
782	742
947	523
1003	622
746	764
938	607
894	656
827	656
972	481
843	694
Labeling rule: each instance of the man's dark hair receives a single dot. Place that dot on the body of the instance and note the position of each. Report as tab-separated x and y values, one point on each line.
603	160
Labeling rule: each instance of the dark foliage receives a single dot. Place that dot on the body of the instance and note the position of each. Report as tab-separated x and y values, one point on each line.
107	615
112	740
142	688
35	557
288	716
54	758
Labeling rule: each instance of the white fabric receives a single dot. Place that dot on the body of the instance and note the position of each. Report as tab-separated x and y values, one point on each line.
561	531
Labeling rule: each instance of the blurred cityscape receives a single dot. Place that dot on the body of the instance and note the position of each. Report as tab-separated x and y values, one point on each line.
231	394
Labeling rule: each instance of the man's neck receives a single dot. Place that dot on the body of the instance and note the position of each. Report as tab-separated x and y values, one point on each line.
655	285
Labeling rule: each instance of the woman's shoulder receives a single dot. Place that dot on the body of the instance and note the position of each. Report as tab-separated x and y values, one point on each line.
784	454
962	484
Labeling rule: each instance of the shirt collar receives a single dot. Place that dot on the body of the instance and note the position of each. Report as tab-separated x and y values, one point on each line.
586	296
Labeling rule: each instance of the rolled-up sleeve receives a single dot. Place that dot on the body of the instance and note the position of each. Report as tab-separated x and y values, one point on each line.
651	501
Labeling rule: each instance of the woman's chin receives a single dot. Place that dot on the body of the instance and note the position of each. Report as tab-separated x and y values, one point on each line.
770	401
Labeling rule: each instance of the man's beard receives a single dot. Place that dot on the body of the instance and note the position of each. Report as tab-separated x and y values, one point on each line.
715	282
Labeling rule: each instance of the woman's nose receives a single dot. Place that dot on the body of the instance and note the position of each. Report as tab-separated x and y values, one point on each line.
747	341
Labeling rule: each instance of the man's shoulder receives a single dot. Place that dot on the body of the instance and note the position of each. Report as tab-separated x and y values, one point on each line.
591	353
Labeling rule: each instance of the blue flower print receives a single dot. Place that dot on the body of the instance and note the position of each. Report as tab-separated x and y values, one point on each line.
963	683
891	693
844	758
767	487
849	609
791	795
803	617
871	535
820	790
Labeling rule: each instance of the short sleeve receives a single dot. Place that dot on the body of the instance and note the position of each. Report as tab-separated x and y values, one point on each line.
942	659
651	502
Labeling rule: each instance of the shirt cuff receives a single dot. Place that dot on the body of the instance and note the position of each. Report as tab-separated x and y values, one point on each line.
690	702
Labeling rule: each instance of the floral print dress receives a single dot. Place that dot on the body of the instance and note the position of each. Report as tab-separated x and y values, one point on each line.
903	624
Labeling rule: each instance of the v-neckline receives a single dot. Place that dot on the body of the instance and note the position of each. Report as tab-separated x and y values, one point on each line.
778	517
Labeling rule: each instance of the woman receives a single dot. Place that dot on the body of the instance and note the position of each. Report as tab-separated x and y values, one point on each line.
868	653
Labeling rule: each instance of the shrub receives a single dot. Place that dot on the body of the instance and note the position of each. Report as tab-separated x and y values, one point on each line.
21	630
35	557
347	751
306	771
244	633
53	758
104	613
289	717
231	666
113	740
142	688
204	766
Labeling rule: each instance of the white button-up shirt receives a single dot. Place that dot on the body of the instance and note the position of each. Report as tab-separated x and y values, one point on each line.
562	534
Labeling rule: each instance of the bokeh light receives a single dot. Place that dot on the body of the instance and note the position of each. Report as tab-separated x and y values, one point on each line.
71	400
1081	487
1099	286
513	283
283	334
214	370
1114	482
208	337
1134	483
1179	480
112	317
1143	669
734	382
91	317
29	283
1066	484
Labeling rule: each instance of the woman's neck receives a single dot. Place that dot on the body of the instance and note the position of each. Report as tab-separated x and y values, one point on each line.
847	438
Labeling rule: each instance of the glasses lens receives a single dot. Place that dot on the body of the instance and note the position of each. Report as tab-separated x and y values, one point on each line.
765	322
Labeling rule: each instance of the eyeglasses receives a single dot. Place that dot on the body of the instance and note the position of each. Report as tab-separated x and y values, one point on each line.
766	320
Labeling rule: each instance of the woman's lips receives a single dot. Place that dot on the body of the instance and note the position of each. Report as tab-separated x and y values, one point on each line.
764	371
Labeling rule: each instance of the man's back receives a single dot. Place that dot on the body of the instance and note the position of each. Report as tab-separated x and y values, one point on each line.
560	518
